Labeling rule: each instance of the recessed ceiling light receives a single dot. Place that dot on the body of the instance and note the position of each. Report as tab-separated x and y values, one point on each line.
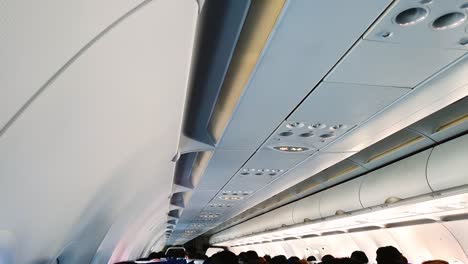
339	126
317	126
295	125
231	197
293	149
209	215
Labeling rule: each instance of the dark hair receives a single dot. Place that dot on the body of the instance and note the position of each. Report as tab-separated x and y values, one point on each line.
267	258
293	260
344	261
156	255
281	259
328	259
175	253
224	257
359	257
243	256
389	255
435	261
251	257
311	258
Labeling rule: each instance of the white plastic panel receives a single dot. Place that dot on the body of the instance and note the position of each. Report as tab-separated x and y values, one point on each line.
447	165
337	245
283	76
222	166
92	143
343	103
400	144
458	230
420	33
370	241
445	88
267	158
39	37
388	181
388	64
426	242
307	208
309	167
446	123
283	215
343	197
417	243
340	172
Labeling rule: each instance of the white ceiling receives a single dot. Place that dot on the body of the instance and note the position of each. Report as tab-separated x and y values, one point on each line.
90	157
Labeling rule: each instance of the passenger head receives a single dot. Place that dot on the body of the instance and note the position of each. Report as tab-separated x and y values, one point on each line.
303	261
390	255
293	260
328	259
344	261
251	257
261	260
267	258
156	255
279	260
311	258
243	257
435	261
176	253
224	257
359	257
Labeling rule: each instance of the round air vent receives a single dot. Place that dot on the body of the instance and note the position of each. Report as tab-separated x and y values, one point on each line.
448	21
411	16
286	134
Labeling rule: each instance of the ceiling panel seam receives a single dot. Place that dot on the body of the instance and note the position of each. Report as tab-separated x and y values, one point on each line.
340	59
67	64
370	85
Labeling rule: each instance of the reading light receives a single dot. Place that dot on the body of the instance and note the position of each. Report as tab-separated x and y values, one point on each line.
291	148
231	197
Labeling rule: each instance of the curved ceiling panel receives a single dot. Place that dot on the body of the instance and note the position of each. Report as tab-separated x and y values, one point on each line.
39	38
102	135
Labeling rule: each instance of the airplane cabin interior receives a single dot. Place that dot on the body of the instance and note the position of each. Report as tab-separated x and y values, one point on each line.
200	131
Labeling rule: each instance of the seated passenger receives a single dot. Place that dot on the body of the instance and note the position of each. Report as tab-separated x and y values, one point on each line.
344	261
359	257
328	259
281	259
390	255
223	257
267	258
435	261
293	260
251	257
242	258
156	255
311	259
261	260
176	254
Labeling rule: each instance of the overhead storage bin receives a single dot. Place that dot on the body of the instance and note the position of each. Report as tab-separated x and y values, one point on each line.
403	179
341	198
307	208
282	216
447	166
